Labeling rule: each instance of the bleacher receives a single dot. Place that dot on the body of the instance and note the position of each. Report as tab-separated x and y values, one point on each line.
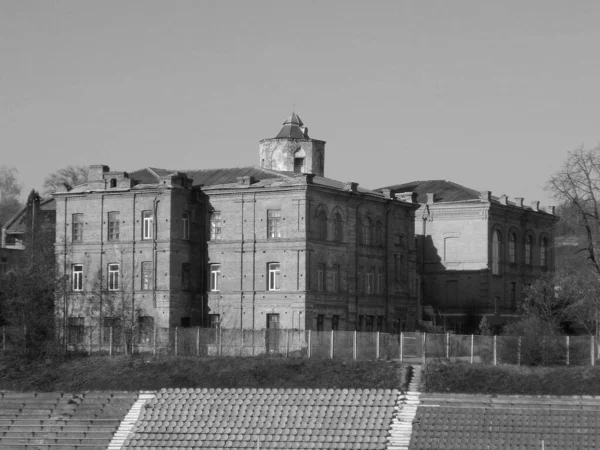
57	421
266	418
475	422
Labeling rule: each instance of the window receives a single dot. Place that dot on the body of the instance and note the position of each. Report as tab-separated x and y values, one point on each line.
77	277
146	329
148	224
215	225
379	281
399	267
273	223
298	165
113	226
185	276
544	252
111	330
338	230
496	242
528	245
512	248
147	276
368	324
361	286
214	321
359	232
370	281
272	333
185	225
113	277
335	323
113	182
320	277
215	274
77	227
335	279
75	330
368	232
274	276
320	322
378	234
322	225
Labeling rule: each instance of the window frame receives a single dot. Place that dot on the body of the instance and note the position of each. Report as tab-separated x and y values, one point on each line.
113	226
320	277
186	276
335	279
215	275
496	251
528	250
113	271
147	281
544	252
76	277
147	224
185	225
512	247
338	228
322	225
370	279
215	226
77	227
75	330
274	276
274	224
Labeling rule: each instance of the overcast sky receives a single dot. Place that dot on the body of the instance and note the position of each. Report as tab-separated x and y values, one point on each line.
488	94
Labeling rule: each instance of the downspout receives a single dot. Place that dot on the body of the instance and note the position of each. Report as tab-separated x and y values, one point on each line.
241	267
254	266
155	253
356	280
423	242
65	278
100	312
387	264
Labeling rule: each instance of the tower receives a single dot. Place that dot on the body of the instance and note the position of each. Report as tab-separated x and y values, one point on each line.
292	150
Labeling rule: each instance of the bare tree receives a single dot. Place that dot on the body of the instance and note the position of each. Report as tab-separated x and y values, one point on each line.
65	179
577	186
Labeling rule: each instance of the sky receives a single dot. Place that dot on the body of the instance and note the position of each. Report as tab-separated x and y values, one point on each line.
488	94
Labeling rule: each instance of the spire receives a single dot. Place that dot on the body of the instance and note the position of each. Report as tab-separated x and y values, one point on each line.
293	128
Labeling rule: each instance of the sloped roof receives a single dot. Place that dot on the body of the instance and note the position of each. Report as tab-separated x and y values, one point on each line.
16	224
446	191
208	177
293	128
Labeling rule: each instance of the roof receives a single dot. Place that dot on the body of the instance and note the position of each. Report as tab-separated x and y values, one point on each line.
446	191
293	128
16	225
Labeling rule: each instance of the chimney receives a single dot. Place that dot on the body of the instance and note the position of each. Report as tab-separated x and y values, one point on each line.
430	198
504	199
409	197
96	172
485	196
519	201
535	205
245	181
551	210
387	193
351	186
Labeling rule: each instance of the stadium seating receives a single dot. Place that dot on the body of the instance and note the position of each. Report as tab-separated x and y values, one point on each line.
61	421
266	418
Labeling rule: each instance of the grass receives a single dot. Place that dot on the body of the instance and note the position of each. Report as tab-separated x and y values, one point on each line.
126	373
510	380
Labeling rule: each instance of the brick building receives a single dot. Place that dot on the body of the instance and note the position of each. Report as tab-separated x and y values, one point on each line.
477	252
278	245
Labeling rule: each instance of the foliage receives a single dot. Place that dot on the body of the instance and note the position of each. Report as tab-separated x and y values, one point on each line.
10	190
65	179
540	344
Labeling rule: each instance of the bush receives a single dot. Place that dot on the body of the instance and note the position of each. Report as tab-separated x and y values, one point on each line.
541	343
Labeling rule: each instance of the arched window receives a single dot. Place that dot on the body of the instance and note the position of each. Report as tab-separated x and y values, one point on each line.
544	253
496	242
322	225
512	248
359	232
378	234
528	246
338	230
368	231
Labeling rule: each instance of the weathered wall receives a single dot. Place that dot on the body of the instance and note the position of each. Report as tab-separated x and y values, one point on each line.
278	154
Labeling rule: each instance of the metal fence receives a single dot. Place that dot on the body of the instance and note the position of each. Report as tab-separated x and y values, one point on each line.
293	343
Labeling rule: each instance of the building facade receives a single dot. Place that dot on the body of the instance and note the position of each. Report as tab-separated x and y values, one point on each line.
275	246
477	252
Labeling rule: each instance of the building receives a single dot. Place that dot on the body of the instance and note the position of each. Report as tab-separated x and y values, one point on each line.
275	246
477	252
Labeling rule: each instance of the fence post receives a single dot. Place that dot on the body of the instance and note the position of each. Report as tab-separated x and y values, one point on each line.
592	355
198	342
377	347
401	346
447	345
354	355
495	357
519	352
110	340
472	348
567	339
331	345
424	347
154	341
309	343
176	336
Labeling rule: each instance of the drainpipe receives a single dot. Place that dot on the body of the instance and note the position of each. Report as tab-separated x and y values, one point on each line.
65	278
423	242
155	253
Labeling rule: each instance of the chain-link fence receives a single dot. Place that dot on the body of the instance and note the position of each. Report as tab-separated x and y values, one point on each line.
293	343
